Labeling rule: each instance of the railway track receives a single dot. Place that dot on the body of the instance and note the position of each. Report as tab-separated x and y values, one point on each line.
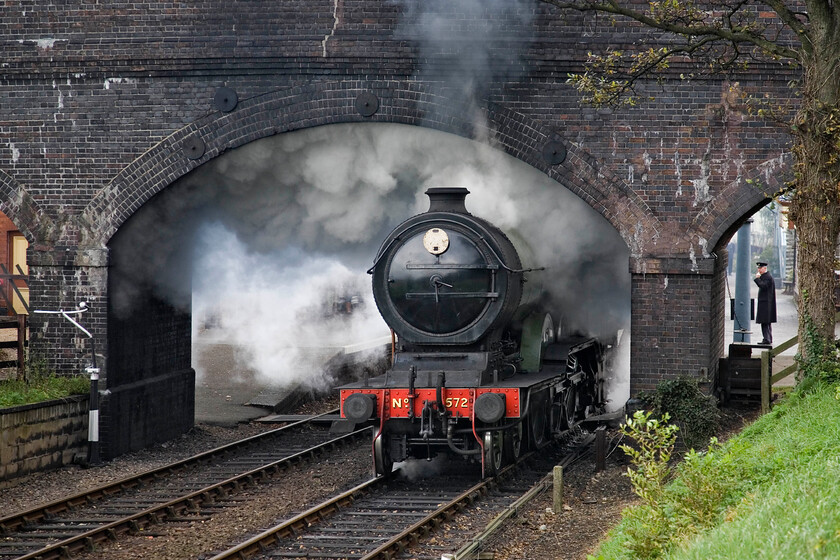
384	517
175	492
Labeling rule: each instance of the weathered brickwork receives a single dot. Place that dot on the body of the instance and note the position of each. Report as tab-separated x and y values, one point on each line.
99	104
42	436
692	306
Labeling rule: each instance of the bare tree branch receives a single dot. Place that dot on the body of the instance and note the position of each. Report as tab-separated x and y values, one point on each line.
696	28
791	20
716	39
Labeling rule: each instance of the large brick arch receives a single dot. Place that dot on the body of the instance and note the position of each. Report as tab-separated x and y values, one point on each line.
335	102
101	119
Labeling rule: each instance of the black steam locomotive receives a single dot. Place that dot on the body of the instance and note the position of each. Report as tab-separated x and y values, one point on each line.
478	369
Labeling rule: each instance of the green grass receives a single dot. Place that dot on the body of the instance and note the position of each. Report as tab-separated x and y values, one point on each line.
39	389
773	491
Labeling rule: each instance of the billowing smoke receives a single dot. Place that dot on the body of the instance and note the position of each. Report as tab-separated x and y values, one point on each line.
292	222
287	311
465	46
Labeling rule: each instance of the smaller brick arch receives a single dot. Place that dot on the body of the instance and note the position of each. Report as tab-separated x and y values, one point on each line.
325	103
741	198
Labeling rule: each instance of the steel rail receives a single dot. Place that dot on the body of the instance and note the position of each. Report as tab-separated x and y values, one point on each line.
176	508
413	534
298	523
294	527
423	527
39	513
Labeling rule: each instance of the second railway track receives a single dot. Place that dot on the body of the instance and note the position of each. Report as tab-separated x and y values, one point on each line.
175	492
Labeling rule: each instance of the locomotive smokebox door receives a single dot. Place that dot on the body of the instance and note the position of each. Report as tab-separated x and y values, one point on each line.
447	277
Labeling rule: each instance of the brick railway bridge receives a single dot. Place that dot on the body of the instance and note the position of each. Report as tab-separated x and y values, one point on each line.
103	106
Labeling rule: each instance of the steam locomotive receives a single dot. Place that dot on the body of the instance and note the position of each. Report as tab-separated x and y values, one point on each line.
478	370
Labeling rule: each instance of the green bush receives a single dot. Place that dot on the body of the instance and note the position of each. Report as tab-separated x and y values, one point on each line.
647	525
694	412
670	515
769	492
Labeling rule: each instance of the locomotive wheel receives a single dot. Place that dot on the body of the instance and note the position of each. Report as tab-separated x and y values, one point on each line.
493	452
513	443
538	422
382	463
570	404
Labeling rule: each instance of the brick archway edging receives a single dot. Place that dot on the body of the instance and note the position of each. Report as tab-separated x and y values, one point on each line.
325	103
741	198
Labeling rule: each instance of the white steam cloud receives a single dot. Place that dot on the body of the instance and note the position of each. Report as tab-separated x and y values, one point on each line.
263	240
288	312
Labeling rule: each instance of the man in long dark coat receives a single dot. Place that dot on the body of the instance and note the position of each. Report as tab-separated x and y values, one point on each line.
766	314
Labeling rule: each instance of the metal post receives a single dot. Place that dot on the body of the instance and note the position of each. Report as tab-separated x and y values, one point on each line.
741	331
778	235
93	417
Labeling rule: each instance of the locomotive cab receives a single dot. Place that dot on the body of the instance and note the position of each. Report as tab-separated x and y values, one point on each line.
478	371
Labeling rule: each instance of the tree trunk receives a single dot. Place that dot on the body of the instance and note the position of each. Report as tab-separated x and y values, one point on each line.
815	206
817	229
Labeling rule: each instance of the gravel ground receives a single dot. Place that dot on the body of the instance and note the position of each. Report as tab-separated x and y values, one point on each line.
260	509
592	502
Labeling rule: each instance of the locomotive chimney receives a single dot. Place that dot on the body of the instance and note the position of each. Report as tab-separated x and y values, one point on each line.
447	199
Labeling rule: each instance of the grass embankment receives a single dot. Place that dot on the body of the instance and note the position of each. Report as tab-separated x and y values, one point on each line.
771	492
39	389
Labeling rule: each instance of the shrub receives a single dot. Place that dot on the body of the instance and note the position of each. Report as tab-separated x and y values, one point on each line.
769	492
670	514
694	412
647	524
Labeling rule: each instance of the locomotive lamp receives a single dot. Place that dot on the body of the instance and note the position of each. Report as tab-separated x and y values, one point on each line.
478	372
490	407
359	407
